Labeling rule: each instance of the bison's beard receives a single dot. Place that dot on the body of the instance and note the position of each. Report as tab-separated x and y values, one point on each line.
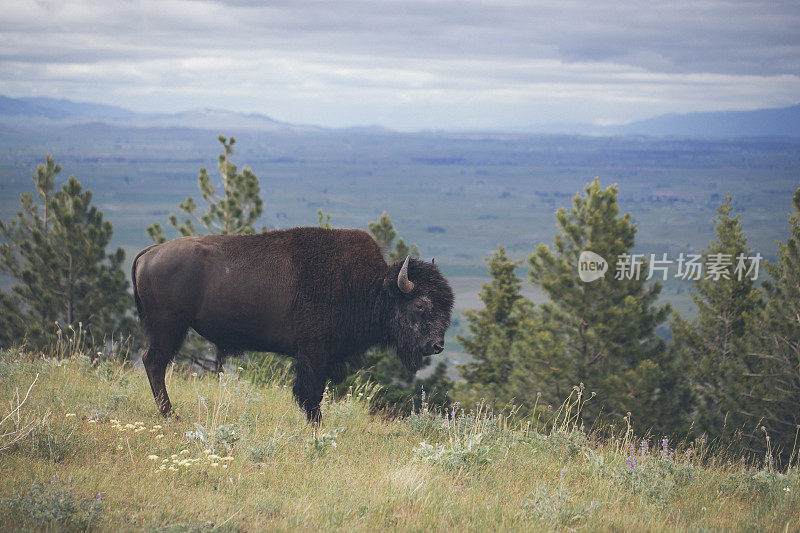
410	356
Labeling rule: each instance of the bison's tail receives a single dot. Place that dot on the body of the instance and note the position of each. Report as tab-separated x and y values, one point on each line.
133	280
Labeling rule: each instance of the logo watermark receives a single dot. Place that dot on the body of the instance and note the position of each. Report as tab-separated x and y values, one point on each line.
591	266
715	267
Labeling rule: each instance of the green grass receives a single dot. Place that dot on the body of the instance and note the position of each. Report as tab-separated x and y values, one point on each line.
86	449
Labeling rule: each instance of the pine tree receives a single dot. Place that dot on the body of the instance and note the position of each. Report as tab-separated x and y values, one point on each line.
540	371
29	235
600	333
44	180
492	332
56	252
234	204
324	219
12	322
715	344
382	230
775	393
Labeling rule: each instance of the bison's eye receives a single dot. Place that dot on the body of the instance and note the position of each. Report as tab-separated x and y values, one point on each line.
418	307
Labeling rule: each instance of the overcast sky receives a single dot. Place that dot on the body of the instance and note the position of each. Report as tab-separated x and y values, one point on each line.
408	64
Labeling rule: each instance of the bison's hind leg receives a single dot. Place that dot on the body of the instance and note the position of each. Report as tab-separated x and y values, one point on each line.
162	347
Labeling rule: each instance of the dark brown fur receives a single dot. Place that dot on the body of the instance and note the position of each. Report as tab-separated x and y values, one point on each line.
322	296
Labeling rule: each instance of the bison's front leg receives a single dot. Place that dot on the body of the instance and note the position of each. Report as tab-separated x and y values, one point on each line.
309	385
336	371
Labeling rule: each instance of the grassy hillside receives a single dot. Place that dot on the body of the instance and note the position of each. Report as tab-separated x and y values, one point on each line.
81	446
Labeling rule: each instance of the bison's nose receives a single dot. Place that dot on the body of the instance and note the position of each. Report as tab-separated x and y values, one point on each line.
437	347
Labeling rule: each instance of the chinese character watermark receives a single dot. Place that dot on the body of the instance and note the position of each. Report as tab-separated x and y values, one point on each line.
690	266
629	266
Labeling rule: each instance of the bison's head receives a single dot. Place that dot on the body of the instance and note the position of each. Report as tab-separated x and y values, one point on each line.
421	304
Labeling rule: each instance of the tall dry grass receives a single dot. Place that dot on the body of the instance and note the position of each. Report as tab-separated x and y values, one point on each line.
83	447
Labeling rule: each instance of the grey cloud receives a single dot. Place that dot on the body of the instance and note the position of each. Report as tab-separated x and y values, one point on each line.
414	55
731	37
704	36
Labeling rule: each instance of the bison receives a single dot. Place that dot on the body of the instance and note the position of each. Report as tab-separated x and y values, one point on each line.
322	296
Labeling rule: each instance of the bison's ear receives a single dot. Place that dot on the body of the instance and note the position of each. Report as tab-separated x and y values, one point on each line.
402	278
433	260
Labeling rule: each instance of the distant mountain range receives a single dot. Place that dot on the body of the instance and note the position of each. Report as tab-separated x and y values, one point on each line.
52	111
776	122
781	122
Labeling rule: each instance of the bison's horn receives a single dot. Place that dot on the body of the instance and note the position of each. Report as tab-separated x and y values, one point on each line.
402	278
433	260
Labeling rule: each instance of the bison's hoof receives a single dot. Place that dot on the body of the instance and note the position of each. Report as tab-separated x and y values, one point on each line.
167	412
